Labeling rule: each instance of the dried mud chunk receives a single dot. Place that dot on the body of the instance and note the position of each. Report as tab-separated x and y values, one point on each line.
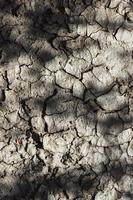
100	3
91	29
43	87
115	20
61	104
125	184
12	117
130	148
109	193
9	155
11	75
109	124
101	16
114	3
60	122
34	106
86	124
89	14
10	52
31	149
28	74
56	145
130	15
76	7
107	141
42	51
75	44
113	153
76	66
45	155
124	35
11	101
24	59
93	47
94	158
78	89
104	77
56	63
82	26
114	58
37	124
25	40
98	81
112	101
64	79
125	136
124	7
83	54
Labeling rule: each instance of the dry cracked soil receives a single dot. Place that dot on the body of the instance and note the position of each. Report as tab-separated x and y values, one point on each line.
66	100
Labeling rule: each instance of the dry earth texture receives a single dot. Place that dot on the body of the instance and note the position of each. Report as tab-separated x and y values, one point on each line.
66	100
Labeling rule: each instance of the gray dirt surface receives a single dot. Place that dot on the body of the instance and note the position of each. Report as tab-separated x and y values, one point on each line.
66	100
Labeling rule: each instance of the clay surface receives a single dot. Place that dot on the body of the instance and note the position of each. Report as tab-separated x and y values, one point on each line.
66	100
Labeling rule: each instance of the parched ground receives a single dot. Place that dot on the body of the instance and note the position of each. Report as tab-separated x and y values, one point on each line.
66	100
